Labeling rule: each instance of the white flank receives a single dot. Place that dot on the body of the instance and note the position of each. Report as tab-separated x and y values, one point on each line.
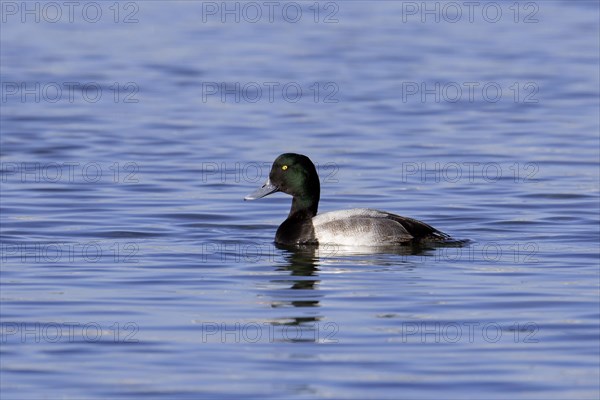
358	227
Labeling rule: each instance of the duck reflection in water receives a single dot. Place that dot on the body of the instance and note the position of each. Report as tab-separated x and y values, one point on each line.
304	264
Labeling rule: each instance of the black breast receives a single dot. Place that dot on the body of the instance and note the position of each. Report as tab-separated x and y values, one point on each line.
296	231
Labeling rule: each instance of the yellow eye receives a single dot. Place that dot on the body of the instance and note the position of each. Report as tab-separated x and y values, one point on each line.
284	167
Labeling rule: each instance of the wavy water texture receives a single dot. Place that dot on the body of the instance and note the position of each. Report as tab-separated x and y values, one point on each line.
131	267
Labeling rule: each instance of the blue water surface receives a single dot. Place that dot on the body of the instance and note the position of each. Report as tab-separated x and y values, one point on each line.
131	267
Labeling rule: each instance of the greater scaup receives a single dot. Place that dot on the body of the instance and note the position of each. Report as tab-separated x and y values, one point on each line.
295	174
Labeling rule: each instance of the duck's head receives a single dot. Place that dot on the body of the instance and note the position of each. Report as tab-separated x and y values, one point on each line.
295	175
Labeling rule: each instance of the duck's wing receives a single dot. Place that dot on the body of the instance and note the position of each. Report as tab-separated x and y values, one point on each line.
419	230
363	226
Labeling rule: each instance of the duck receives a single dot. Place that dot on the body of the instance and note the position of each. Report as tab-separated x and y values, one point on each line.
296	175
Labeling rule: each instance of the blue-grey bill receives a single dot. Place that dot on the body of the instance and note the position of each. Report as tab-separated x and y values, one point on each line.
263	191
